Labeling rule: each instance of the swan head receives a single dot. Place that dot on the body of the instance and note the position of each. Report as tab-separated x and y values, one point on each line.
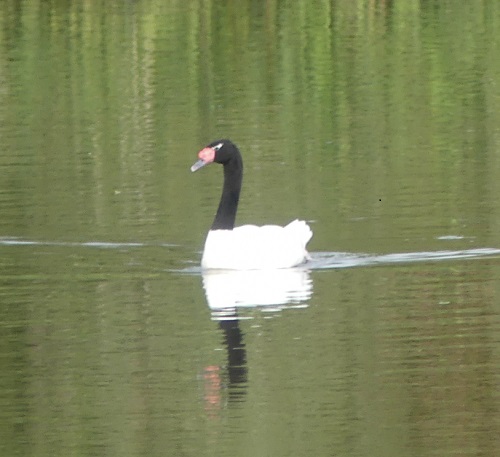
219	151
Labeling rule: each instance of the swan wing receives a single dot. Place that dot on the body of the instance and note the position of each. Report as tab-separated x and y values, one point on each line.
251	247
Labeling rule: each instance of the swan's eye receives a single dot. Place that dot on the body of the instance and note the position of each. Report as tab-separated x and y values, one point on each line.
218	146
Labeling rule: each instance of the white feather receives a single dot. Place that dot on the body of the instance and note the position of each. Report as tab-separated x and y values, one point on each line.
250	247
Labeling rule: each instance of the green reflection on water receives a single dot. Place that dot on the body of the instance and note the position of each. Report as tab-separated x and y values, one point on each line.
376	120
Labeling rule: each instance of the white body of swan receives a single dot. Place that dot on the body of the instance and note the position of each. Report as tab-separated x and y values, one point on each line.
247	247
250	247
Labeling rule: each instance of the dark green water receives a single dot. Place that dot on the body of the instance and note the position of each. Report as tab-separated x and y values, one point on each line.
377	121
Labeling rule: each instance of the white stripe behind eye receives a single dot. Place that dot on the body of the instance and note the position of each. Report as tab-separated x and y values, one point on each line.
218	146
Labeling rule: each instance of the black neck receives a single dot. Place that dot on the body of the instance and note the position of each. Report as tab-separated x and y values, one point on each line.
226	213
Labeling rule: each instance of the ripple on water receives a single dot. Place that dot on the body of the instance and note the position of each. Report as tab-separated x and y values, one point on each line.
331	260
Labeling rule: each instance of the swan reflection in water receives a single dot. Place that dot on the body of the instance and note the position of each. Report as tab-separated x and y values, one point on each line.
231	295
231	378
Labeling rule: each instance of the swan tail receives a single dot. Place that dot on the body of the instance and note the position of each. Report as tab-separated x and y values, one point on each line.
301	231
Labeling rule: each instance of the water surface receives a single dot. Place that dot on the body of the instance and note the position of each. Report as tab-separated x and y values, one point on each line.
377	123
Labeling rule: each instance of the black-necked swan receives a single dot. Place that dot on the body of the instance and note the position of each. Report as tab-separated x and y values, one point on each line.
247	247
